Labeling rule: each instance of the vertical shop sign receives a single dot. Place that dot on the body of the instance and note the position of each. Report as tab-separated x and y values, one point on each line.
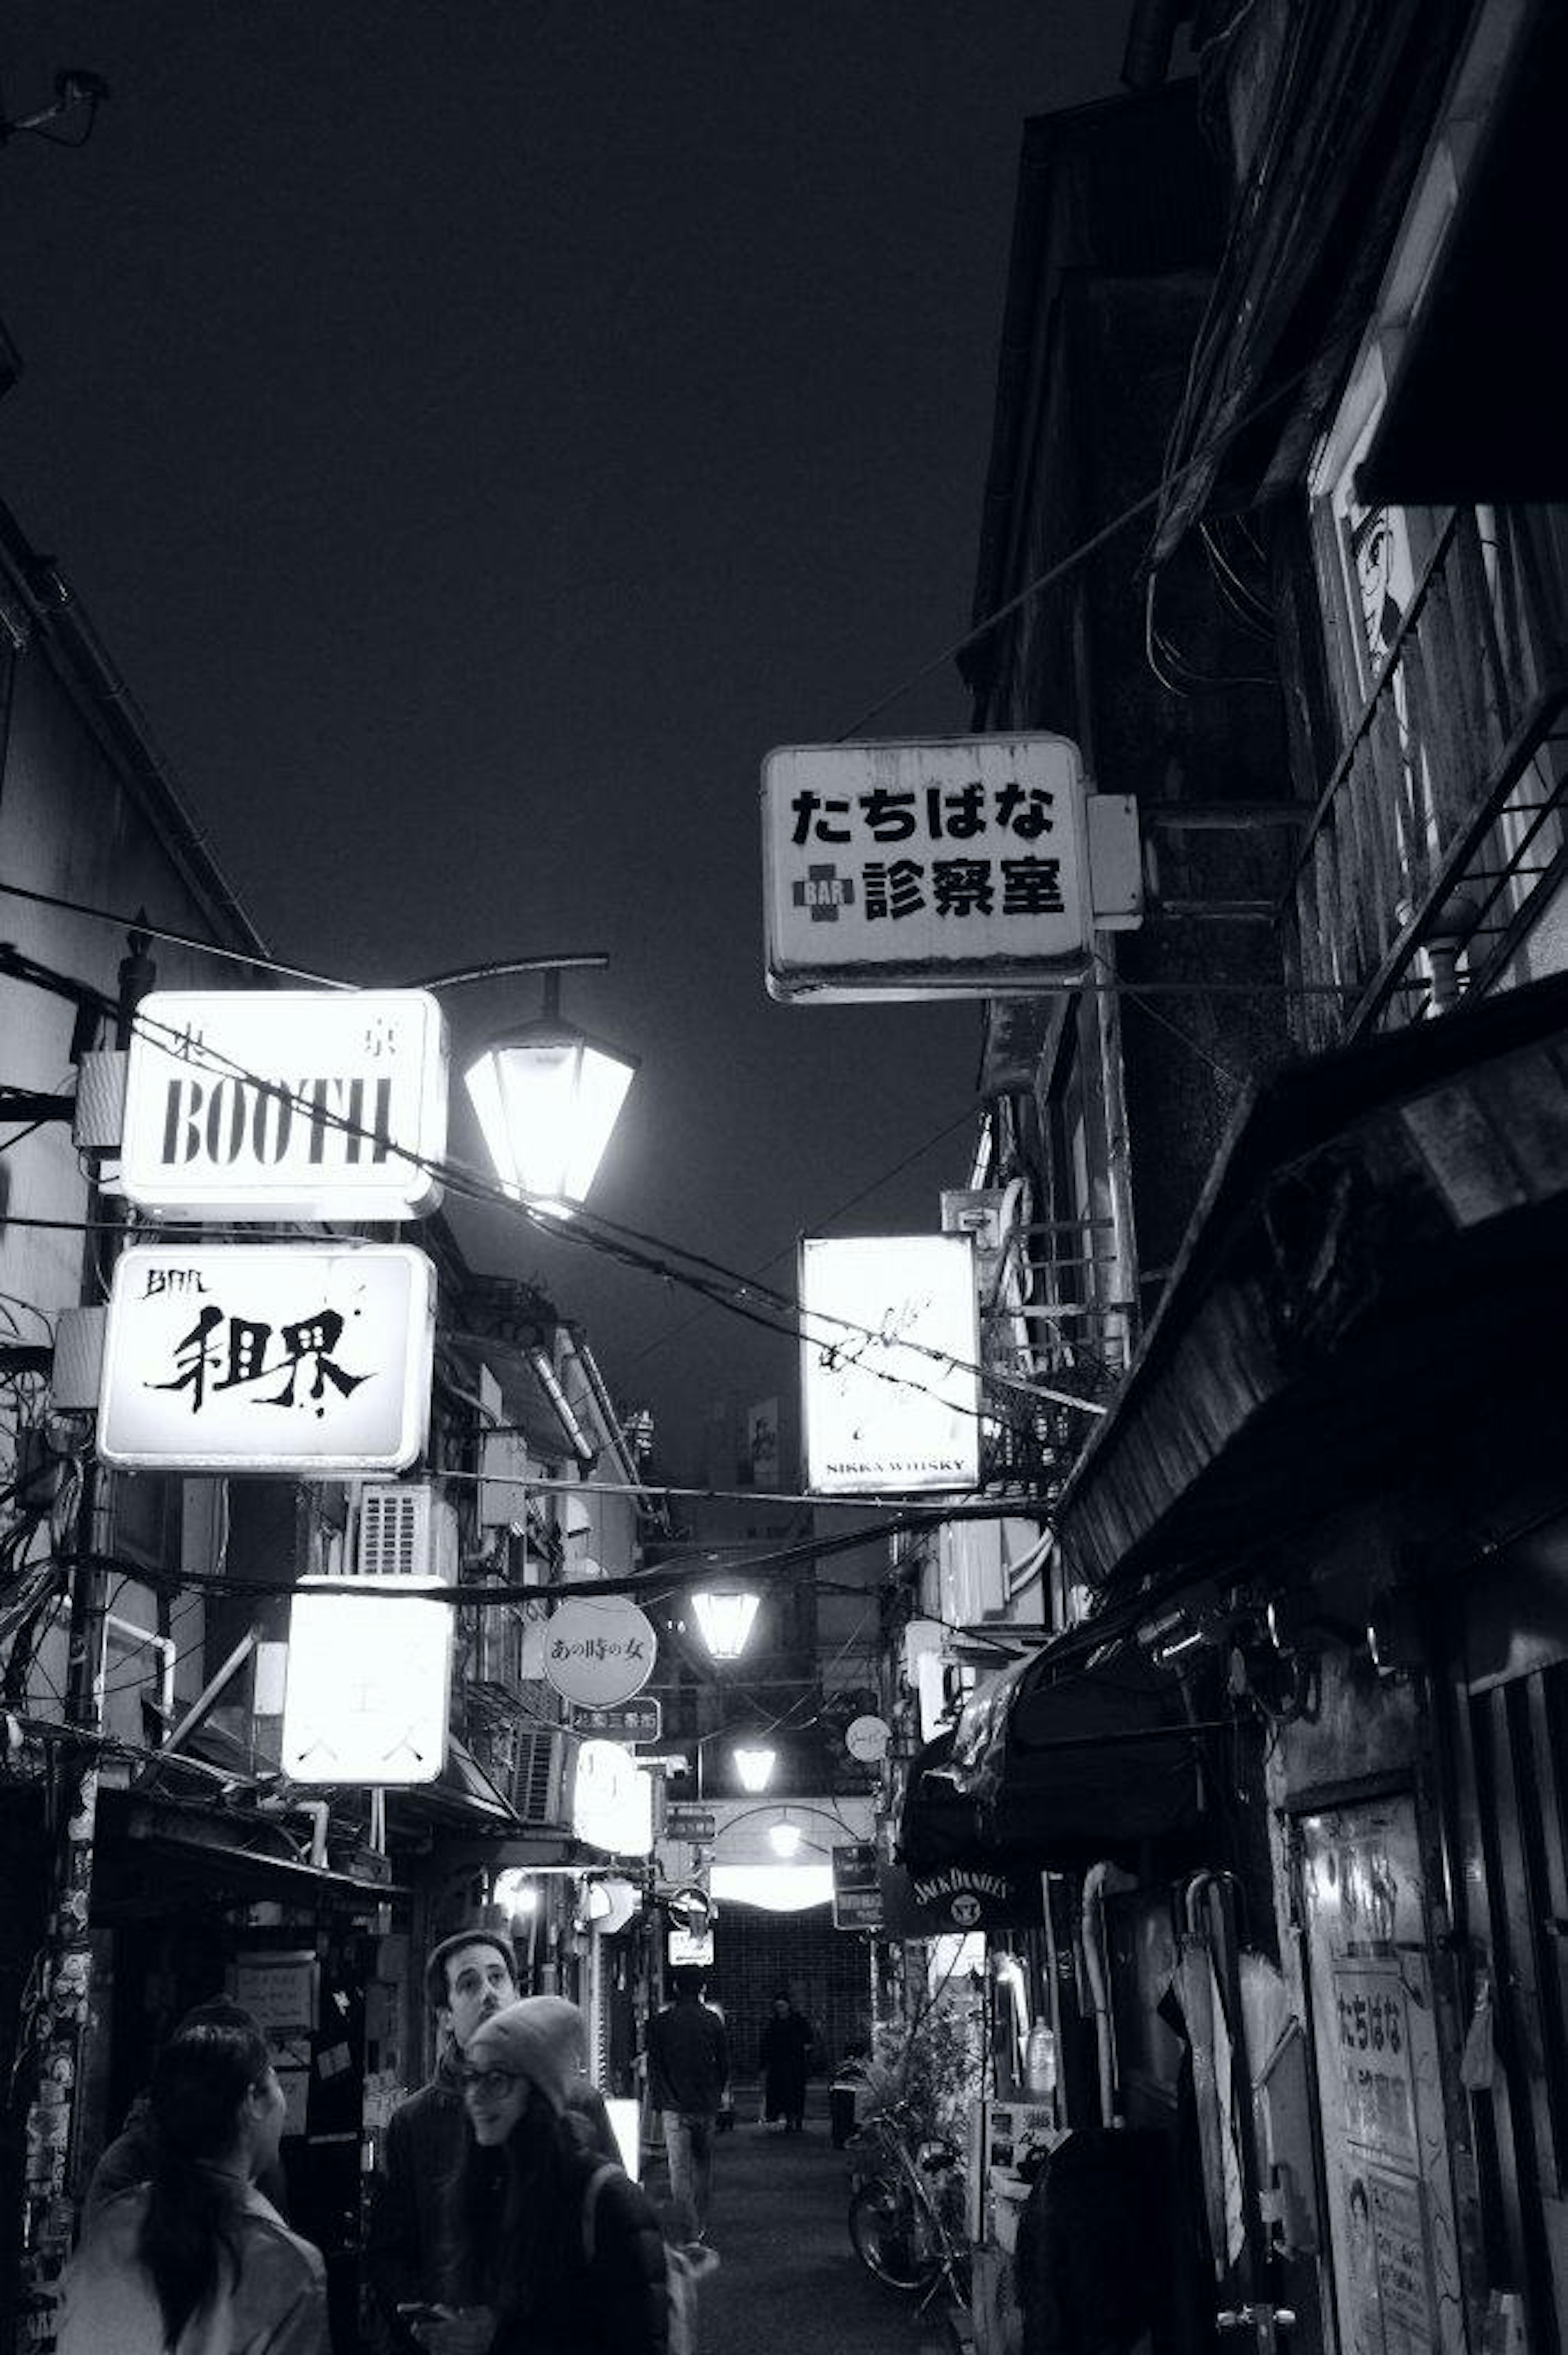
890	1341
1385	2148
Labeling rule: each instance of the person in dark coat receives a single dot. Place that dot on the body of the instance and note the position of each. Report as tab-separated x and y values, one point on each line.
469	1977
528	2275
688	2082
787	2043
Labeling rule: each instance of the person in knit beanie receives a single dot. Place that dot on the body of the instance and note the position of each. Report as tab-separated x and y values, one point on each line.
541	2038
528	2276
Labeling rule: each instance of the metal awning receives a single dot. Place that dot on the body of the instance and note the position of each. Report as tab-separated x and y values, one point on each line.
1374	1289
154	1854
1058	1765
1474	412
1352	109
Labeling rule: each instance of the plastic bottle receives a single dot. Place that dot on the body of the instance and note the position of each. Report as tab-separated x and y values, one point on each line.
1040	2061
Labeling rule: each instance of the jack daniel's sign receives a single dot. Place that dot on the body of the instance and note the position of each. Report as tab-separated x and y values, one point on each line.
961	1896
277	1105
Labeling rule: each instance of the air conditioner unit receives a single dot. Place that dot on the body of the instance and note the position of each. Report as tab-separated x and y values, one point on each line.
973	1574
504	1472
405	1531
542	1779
920	1637
498	1647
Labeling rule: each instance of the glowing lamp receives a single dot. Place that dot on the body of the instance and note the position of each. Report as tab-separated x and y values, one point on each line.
755	1768
784	1838
724	1615
547	1097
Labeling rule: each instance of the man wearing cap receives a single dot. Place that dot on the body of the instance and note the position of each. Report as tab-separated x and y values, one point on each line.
467	1978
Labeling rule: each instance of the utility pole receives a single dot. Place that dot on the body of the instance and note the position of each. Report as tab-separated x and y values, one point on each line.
61	2023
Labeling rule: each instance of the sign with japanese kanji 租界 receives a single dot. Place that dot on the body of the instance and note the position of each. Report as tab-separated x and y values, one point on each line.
311	1359
961	867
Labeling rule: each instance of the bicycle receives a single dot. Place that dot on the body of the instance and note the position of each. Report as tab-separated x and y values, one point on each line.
901	2219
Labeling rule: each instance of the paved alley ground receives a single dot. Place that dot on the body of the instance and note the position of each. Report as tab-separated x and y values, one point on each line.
789	2282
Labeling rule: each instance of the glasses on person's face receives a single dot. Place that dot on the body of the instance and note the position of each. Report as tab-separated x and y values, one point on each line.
495	2084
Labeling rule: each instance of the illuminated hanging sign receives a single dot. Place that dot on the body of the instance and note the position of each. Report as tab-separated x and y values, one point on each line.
369	1683
612	1800
250	1358
967	867
890	1347
598	1650
287	1103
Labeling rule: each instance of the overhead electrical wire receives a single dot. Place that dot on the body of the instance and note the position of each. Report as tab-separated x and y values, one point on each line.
725	1287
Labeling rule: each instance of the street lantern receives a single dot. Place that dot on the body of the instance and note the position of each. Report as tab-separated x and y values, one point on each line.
724	1615
755	1768
784	1837
547	1097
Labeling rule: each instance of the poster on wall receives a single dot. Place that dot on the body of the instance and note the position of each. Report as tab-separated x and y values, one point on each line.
1385	2144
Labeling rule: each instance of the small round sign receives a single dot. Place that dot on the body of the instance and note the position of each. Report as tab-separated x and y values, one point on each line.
598	1650
867	1739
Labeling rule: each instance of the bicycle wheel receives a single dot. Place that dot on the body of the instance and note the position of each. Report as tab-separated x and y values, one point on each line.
890	2238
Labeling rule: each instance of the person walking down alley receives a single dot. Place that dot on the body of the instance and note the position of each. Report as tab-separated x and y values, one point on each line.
469	1977
688	2079
787	2041
553	2250
195	2259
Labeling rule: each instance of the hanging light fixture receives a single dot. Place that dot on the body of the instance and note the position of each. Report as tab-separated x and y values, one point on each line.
724	1615
547	1097
755	1768
784	1837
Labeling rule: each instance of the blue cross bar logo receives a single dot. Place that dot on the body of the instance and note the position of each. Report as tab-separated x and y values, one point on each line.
824	892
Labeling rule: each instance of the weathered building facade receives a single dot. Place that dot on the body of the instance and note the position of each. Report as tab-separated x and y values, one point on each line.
151	1850
1308	1132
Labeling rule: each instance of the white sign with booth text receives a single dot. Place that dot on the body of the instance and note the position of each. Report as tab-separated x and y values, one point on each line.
285	1103
308	1358
889	1354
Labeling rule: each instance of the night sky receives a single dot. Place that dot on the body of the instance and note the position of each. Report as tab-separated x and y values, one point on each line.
480	430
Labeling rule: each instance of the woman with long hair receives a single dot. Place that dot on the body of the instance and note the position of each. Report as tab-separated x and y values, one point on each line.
553	2249
195	2261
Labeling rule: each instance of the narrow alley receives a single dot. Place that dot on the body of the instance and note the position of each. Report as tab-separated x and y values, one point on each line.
789	2283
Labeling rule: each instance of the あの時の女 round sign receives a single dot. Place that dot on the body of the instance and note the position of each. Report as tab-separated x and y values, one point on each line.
598	1650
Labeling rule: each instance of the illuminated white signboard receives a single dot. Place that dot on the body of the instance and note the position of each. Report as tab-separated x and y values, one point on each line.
369	1681
890	1346
964	866
599	1651
285	1103
612	1800
249	1358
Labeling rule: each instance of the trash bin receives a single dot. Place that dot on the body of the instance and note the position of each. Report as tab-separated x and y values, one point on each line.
840	2113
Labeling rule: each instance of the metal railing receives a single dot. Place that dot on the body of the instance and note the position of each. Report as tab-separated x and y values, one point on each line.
1440	824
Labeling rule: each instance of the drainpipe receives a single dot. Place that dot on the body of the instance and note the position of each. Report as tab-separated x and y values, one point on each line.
61	2028
1102	1881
